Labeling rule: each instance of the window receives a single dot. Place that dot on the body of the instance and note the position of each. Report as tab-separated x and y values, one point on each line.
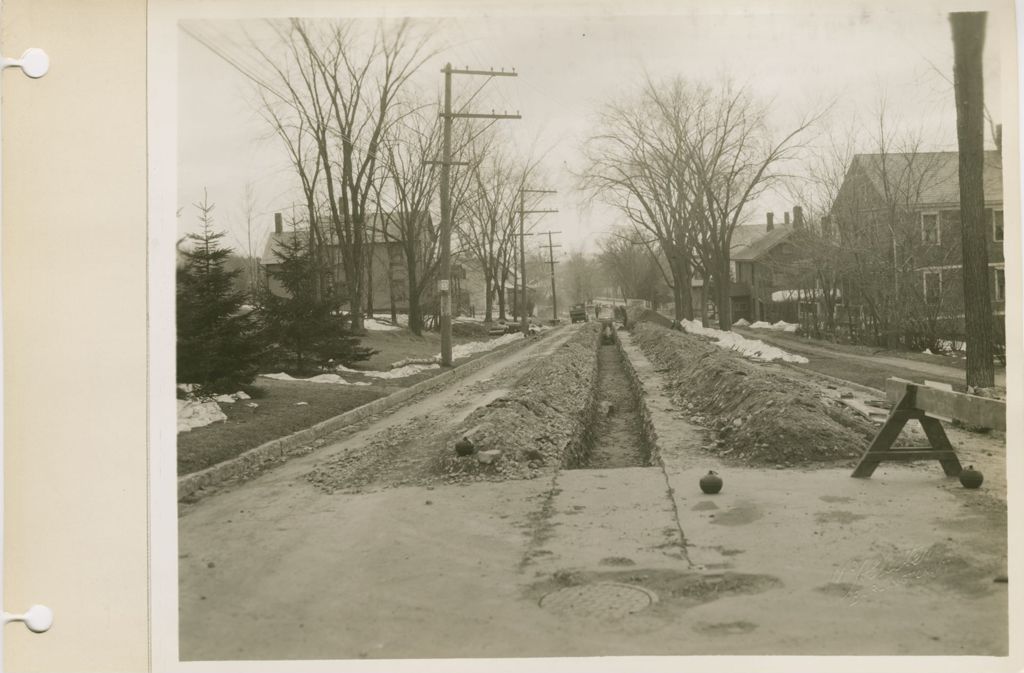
930	228
997	226
1000	284
932	286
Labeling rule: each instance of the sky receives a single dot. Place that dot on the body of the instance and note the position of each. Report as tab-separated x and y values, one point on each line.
569	66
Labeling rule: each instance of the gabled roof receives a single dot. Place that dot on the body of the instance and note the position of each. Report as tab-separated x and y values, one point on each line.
932	178
751	241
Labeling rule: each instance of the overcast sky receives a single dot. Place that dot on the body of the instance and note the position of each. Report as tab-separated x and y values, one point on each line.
569	67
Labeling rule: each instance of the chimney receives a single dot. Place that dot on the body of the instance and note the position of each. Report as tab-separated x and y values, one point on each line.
771	220
278	224
787	218
999	139
798	217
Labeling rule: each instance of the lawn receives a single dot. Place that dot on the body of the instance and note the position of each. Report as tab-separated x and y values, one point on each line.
279	413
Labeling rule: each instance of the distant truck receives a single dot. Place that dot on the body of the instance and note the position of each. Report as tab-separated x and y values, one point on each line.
578	313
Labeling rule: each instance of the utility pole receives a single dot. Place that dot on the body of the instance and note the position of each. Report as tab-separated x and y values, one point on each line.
975	230
522	246
551	260
444	282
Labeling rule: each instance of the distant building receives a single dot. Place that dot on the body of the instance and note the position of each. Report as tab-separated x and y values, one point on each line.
385	263
761	259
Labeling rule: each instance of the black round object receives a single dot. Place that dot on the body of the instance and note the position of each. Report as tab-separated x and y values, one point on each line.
711	483
971	478
464	447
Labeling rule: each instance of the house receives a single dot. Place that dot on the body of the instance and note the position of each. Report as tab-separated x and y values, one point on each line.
763	261
385	263
908	206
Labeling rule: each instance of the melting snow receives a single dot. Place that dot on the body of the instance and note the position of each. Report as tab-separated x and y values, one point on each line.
404	368
197	413
375	325
755	349
319	378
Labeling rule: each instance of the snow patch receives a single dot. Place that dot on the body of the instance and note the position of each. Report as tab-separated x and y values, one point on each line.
197	413
742	322
319	378
780	326
754	349
374	325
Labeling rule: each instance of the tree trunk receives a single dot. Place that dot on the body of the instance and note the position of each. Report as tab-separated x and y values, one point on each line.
415	310
488	299
968	43
724	285
677	300
704	320
685	284
501	299
369	280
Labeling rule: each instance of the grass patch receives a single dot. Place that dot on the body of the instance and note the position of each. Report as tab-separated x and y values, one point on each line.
401	345
278	414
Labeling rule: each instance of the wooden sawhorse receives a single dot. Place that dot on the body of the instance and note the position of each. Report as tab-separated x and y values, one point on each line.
921	403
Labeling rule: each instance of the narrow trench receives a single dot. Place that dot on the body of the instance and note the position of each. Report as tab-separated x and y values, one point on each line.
617	436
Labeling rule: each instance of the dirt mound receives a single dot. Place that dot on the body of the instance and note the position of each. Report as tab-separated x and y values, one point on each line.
541	423
760	414
637	314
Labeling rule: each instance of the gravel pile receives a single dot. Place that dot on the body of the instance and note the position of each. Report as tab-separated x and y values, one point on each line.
760	415
539	425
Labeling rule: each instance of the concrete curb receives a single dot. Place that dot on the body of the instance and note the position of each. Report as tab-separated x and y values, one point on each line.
276	451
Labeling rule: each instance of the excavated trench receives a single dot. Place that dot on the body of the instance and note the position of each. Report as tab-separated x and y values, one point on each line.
616	436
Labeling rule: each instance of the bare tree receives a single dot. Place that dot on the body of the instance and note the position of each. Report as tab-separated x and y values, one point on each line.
336	90
489	226
632	264
733	160
579	275
637	162
411	182
877	219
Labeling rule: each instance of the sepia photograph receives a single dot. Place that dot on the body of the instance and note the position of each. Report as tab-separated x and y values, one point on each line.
585	331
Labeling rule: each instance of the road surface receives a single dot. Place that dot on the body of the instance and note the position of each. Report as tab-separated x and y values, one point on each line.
584	562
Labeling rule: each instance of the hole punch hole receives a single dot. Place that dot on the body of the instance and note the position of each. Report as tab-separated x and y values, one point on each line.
38	618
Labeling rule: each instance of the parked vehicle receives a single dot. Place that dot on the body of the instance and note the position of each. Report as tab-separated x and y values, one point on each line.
578	313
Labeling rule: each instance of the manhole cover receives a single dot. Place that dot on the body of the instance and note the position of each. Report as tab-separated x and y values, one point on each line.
605	600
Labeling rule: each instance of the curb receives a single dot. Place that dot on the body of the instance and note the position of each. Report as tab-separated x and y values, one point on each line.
258	459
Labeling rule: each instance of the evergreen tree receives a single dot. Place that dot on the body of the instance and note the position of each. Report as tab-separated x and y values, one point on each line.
307	331
217	342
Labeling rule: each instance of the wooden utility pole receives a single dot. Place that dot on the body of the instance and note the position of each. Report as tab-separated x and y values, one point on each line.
968	84
524	317
551	260
445	280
